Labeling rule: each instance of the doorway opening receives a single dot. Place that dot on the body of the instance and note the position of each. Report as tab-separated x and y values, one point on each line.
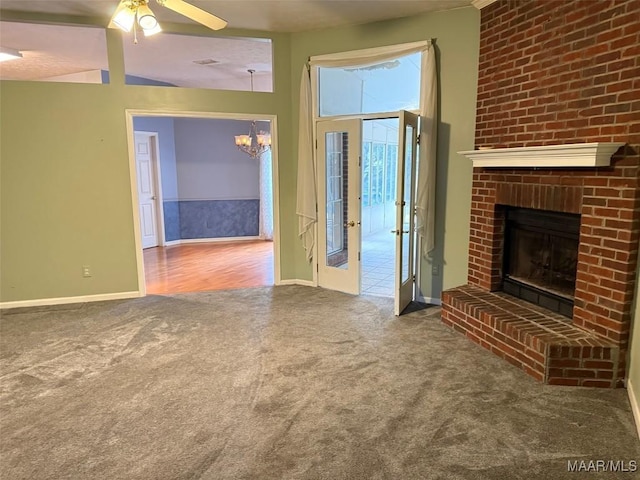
351	207
365	108
205	213
378	209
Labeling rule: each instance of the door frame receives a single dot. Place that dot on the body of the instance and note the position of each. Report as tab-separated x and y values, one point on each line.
417	293
314	140
275	179
157	180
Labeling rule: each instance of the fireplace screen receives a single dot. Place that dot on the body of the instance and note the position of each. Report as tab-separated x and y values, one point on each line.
541	256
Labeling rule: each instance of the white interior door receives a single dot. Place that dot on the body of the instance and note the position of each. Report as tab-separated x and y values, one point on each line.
338	153
145	166
405	217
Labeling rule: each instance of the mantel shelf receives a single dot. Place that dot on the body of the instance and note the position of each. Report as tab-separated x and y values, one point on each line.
572	155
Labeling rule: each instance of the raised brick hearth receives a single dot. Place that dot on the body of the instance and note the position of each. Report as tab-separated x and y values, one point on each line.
542	343
552	73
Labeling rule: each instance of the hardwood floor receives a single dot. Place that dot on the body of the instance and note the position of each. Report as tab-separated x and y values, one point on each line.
199	267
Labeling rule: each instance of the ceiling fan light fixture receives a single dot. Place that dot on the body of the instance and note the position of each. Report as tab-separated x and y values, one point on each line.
124	19
9	54
146	18
152	31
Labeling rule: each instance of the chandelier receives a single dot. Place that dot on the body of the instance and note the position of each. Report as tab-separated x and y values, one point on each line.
246	143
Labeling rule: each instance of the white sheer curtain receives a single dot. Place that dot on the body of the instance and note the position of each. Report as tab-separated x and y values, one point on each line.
266	197
306	187
306	194
426	188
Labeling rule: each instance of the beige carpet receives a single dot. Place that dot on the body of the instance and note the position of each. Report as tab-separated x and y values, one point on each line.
283	383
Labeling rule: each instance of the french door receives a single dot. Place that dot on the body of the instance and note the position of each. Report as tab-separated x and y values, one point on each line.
339	148
405	210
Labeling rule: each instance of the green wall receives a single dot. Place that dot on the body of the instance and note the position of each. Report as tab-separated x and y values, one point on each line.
457	34
65	195
65	198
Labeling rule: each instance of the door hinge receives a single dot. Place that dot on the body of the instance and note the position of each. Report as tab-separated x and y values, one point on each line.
414	278
359	161
316	143
358	256
418	139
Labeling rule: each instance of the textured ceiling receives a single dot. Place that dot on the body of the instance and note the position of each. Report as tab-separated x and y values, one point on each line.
53	50
49	51
270	15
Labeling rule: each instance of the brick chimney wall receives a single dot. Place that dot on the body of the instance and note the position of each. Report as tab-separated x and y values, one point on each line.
560	72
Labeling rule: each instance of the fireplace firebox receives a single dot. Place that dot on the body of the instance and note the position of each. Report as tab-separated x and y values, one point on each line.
541	256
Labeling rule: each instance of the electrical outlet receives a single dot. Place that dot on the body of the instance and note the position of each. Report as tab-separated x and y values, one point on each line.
435	269
86	270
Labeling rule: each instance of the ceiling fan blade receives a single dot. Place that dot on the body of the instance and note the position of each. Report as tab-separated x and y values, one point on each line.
195	13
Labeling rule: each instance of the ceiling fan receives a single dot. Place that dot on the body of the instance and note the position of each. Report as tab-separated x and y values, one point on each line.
128	11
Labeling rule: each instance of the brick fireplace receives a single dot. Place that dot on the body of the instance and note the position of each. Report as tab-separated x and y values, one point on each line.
556	73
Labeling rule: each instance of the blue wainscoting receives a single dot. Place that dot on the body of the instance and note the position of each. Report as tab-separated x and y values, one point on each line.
219	218
171	220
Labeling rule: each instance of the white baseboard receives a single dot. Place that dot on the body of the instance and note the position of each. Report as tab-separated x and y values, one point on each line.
171	243
429	300
211	240
305	283
65	300
635	406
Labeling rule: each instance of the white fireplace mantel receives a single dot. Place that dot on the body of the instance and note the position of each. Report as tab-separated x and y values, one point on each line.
571	155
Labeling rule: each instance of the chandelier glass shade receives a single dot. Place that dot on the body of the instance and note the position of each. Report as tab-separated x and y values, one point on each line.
246	144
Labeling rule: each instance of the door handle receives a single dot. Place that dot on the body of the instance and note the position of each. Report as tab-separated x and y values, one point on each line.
153	198
350	224
397	232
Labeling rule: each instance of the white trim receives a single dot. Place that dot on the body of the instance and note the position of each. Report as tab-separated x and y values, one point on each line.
216	240
635	405
572	155
297	281
480	4
273	119
135	204
429	300
66	300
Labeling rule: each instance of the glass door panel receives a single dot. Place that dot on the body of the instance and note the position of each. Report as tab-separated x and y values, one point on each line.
405	218
339	186
336	160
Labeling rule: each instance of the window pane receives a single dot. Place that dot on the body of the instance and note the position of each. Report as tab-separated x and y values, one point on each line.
199	62
385	87
54	53
377	172
366	174
391	172
336	161
406	209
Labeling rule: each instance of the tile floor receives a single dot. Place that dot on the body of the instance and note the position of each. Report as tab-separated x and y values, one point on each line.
378	264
